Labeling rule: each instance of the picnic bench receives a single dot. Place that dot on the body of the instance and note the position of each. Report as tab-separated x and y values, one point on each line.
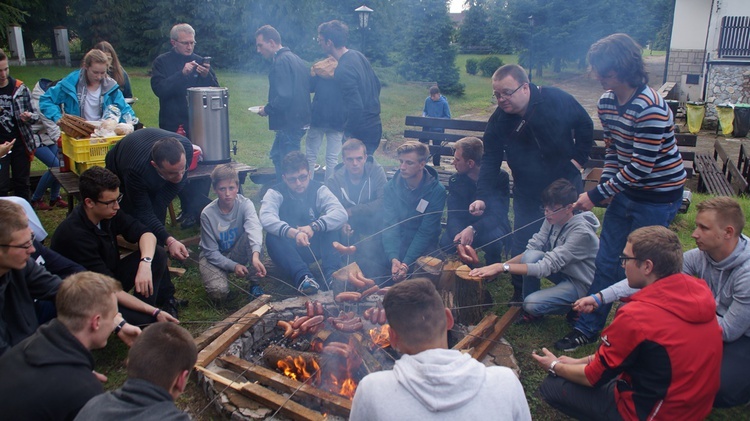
718	175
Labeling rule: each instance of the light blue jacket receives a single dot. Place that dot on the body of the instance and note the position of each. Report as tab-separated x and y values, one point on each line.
68	92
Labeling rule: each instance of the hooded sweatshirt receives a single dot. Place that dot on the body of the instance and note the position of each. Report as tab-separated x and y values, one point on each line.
664	347
137	400
364	201
48	376
569	248
440	384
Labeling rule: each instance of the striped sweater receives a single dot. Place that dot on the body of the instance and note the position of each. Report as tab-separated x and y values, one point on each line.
642	159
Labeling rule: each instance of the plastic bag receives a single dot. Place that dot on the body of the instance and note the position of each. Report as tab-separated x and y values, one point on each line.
695	114
726	118
112	113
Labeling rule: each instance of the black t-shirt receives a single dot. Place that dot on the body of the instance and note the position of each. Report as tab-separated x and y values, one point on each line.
8	126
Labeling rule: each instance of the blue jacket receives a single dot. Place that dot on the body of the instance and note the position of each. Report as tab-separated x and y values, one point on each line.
68	93
437	109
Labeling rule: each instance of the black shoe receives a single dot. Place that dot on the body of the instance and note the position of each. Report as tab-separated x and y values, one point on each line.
517	299
179	217
189	221
573	340
171	307
572	317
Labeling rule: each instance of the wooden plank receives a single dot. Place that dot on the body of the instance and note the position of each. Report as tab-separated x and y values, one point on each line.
176	271
446	123
481	330
213	332
260	394
222	342
372	365
499	328
737	183
336	404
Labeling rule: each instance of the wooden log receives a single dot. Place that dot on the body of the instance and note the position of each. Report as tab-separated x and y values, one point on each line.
176	271
274	353
222	342
448	277
499	328
331	402
286	407
213	332
469	295
371	364
428	267
484	328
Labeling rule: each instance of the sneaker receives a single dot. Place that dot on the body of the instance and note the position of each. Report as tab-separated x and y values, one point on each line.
256	291
58	203
573	340
308	286
171	308
189	221
40	206
527	318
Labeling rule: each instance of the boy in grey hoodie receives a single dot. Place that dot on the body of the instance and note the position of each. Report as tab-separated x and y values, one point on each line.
563	251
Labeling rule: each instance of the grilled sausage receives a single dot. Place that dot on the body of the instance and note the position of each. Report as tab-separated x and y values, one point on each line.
354	281
348	296
286	326
298	322
344	249
369	291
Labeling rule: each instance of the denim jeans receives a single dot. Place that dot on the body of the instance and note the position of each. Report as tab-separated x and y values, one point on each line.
623	216
48	155
553	300
333	148
295	261
285	141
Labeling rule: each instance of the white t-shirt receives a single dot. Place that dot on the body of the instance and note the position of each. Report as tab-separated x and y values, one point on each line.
91	107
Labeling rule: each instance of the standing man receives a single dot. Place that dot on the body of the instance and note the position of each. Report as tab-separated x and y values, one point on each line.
546	135
16	117
358	183
643	173
359	85
152	167
288	107
412	207
172	74
436	106
661	354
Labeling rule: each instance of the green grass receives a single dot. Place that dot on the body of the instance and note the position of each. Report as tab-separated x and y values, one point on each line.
251	131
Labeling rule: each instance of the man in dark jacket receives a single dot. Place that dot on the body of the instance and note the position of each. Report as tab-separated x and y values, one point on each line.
358	183
359	85
412	207
159	364
328	116
49	375
288	107
88	236
545	134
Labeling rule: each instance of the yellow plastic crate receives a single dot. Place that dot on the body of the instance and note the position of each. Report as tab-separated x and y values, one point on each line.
88	150
79	167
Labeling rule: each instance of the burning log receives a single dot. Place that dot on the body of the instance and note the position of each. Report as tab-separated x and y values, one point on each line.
275	354
370	363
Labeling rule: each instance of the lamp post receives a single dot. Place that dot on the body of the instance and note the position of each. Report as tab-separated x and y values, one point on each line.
531	47
364	18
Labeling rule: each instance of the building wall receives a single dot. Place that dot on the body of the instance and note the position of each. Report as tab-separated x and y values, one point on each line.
726	84
691	19
684	62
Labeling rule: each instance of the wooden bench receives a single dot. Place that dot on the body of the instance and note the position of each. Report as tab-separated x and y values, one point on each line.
666	89
718	175
743	163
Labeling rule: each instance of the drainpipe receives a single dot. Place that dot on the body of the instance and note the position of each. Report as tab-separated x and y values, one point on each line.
669	44
705	52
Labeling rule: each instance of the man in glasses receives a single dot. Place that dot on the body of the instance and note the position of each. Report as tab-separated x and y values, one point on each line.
563	251
301	217
88	236
545	134
660	356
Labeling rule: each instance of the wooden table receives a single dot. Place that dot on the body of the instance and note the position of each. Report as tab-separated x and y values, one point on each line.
69	180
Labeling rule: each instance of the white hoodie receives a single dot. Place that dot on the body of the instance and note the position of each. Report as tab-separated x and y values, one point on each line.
440	384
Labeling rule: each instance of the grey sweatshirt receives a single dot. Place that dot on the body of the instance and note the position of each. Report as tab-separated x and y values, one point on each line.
569	248
282	209
365	205
219	231
728	279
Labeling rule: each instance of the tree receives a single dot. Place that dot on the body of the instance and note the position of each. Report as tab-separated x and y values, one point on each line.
473	29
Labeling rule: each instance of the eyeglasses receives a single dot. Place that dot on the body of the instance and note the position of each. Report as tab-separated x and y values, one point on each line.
302	178
624	259
547	210
506	94
27	245
187	43
110	202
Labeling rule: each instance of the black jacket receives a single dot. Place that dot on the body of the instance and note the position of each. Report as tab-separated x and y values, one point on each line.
47	376
327	105
170	85
538	145
288	104
360	88
462	191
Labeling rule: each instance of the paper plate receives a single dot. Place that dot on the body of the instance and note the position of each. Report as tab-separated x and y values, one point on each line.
255	109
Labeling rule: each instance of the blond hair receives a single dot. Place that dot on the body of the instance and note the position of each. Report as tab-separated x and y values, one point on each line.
728	211
83	295
421	149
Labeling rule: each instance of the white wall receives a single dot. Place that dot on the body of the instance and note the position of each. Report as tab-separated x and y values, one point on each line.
690	24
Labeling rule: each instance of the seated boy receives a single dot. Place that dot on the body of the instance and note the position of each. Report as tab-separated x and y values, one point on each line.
563	251
231	236
301	217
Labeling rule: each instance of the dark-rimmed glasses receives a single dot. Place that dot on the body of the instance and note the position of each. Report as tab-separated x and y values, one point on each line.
110	202
506	94
624	259
301	178
27	245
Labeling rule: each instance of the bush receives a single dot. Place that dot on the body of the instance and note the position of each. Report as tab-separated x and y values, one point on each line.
471	66
488	65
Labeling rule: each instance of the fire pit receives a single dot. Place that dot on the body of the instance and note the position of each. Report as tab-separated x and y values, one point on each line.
305	356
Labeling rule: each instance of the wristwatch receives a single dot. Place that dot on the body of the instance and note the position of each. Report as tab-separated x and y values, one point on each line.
146	259
506	267
552	367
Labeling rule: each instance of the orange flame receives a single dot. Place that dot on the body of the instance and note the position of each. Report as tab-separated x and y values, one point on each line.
346	389
297	369
380	336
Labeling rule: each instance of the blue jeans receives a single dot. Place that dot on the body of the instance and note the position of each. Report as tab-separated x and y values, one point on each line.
553	300
285	141
333	148
48	155
295	261
623	216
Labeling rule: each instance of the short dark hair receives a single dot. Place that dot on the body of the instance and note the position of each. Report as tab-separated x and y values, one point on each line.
2	55
409	146
269	33
294	161
415	311
96	180
335	31
620	54
471	148
660	245
161	353
434	90
353	144
559	192
224	172
513	70
167	149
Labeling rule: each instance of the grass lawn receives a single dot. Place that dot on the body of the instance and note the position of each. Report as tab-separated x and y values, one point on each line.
254	141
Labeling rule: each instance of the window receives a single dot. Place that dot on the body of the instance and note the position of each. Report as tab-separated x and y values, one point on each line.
734	39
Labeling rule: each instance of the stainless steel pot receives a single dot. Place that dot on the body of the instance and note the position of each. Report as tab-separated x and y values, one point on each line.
208	110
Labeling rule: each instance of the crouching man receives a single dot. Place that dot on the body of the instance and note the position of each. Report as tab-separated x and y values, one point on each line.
431	381
662	352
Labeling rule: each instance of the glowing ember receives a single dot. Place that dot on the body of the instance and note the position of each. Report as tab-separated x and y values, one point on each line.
297	369
380	336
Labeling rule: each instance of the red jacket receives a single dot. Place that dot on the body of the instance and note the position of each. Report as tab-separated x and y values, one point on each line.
664	346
